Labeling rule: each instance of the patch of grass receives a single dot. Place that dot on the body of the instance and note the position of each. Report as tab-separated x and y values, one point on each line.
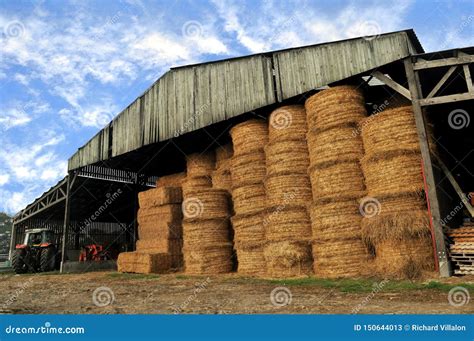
366	285
121	275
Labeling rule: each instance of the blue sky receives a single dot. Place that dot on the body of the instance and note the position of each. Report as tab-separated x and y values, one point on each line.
68	67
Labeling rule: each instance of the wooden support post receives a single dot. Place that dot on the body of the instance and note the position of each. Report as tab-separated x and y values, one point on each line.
467	76
12	242
415	91
392	84
66	221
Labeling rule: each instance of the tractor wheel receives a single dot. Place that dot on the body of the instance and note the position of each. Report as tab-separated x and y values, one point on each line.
48	258
18	261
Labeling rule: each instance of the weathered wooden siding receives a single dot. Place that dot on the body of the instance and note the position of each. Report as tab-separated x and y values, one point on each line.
189	98
128	132
301	70
95	150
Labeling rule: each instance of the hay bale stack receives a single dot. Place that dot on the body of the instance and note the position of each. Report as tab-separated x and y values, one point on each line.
199	168
288	259
335	107
248	172
172	180
221	177
249	136
159	231
144	262
288	192
399	230
206	231
337	181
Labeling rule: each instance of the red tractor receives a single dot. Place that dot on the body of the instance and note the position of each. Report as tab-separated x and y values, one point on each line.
38	253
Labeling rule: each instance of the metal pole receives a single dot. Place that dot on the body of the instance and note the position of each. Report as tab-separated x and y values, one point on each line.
66	221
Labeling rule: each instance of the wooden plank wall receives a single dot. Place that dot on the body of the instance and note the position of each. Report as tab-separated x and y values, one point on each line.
189	98
301	70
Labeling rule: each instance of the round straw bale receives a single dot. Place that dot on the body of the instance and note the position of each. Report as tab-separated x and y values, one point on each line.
223	153
202	233
395	226
285	189
287	122
339	258
288	259
249	199
336	220
174	180
336	144
395	203
390	130
404	259
208	260
334	107
248	228
249	136
337	179
200	164
287	156
222	179
287	223
191	184
208	203
393	173
247	169
250	259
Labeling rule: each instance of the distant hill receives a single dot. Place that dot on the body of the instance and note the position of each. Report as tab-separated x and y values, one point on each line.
5	225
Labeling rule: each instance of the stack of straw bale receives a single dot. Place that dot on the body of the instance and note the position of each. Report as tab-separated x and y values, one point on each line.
337	181
159	232
400	231
288	192
248	193
207	246
221	177
199	171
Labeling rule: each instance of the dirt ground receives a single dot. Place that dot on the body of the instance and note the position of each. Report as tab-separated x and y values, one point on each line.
114	293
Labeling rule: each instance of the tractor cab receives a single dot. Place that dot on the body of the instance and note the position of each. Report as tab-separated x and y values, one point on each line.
38	253
39	237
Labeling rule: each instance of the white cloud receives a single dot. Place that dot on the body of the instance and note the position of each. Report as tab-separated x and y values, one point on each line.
4	179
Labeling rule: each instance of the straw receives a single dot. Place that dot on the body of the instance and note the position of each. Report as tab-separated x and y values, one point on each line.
247	169
249	199
288	259
287	156
200	164
287	223
249	136
284	189
287	122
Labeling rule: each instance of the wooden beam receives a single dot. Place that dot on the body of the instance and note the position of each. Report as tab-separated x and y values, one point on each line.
432	194
12	242
447	99
392	84
67	214
456	186
442	81
443	62
467	76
